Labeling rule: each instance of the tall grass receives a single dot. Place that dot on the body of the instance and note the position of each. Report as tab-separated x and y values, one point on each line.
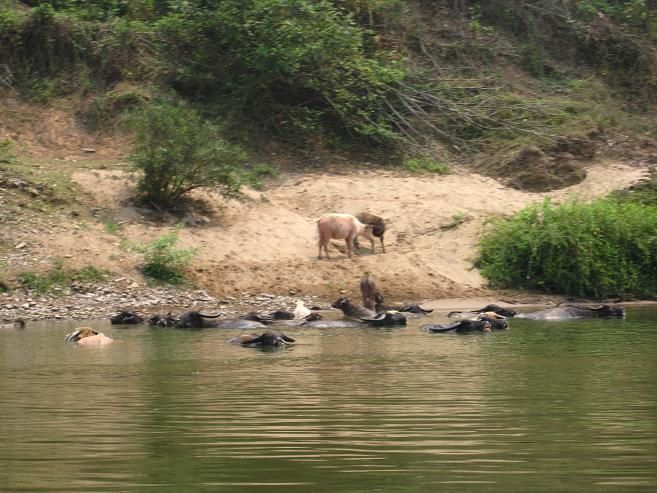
605	248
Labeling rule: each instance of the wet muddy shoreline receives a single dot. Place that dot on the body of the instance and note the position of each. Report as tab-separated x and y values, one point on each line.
90	301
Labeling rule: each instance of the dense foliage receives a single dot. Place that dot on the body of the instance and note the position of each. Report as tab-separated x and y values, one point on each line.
606	248
365	71
303	62
177	151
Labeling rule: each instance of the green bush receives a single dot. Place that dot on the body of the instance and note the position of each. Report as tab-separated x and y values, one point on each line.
606	248
177	151
162	261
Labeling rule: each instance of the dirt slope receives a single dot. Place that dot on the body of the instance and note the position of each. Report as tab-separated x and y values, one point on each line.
267	242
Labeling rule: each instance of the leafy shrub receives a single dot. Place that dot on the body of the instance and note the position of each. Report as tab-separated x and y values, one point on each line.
606	248
177	151
162	261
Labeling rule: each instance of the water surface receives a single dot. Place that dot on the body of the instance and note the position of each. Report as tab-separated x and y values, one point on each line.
544	406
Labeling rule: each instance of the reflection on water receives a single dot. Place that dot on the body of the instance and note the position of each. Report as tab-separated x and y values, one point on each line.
566	406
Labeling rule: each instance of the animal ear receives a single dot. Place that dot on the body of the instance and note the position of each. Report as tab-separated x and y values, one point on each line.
286	338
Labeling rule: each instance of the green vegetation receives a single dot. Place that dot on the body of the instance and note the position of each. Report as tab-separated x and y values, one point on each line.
59	276
424	165
371	75
112	227
606	248
177	151
254	175
162	261
643	193
6	154
4	284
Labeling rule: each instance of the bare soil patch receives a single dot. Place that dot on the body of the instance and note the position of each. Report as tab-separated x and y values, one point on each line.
266	242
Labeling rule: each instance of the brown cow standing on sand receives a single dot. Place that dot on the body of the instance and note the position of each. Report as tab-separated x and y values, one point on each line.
341	227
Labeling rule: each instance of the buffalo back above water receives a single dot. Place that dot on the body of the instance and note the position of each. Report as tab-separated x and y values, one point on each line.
573	311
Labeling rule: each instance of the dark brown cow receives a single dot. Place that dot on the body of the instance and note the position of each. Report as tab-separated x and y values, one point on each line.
378	226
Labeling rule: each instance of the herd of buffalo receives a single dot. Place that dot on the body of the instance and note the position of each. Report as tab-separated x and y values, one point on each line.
373	312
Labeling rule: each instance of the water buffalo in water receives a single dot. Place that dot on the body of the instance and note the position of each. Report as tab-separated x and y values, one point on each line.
198	320
505	312
126	318
386	319
465	325
350	309
265	339
321	324
497	322
167	320
573	311
86	336
353	311
268	319
18	323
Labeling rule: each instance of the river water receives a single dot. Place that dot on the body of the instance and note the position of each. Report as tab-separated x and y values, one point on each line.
544	406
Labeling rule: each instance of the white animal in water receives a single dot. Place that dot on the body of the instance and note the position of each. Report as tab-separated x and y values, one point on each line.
86	336
301	312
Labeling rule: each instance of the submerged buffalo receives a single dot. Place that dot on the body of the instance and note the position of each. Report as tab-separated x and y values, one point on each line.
505	312
265	339
18	323
159	320
126	318
386	319
496	321
86	336
413	308
350	309
465	325
321	324
198	320
573	311
269	318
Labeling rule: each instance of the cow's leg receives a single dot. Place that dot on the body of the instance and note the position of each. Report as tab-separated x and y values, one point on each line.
350	241
382	247
325	246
